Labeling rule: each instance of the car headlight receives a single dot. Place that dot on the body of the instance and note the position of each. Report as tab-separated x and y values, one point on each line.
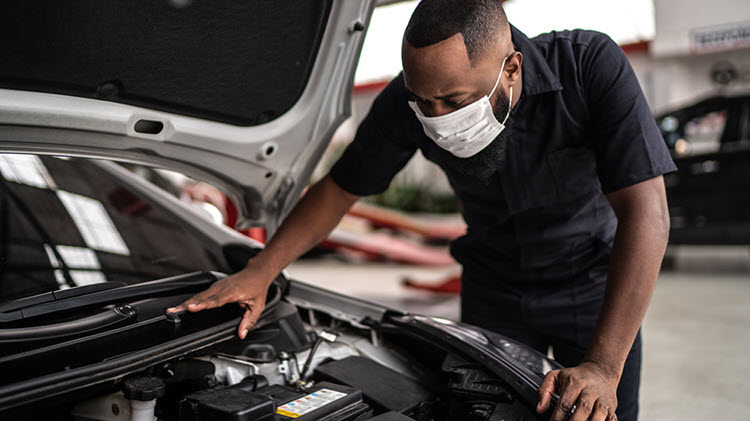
529	358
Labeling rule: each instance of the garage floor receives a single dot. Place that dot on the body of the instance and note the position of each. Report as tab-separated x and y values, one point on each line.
696	333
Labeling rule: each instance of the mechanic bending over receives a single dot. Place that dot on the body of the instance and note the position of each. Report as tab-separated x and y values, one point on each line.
557	162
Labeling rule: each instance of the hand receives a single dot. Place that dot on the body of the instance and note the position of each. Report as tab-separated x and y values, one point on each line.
244	288
588	387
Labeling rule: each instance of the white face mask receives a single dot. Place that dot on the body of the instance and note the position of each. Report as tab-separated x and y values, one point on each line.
468	130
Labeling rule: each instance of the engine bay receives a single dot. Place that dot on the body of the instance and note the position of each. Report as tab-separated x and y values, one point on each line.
302	361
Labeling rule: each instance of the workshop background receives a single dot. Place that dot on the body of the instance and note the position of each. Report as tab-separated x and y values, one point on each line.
692	56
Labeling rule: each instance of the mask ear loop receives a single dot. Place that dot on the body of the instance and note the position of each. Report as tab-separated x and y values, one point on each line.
497	82
510	102
510	99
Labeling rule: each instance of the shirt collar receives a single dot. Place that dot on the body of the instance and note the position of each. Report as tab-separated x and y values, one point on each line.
538	78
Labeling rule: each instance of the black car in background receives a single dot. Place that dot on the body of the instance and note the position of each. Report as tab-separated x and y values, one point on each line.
709	195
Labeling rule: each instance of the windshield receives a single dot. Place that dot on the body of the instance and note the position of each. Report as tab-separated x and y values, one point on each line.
65	222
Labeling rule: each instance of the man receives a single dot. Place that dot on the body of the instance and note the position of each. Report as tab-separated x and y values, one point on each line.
557	163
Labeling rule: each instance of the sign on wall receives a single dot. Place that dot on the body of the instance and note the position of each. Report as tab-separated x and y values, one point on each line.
690	27
720	38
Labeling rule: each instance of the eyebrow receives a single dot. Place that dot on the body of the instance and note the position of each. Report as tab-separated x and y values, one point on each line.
451	95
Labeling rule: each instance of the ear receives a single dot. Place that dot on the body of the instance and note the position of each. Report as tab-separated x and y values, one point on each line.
513	67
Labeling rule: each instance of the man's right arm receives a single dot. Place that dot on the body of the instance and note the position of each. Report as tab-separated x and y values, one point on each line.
314	217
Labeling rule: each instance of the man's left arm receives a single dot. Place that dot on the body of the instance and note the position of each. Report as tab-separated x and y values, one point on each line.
639	246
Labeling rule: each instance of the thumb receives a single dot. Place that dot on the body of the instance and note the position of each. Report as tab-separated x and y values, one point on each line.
249	319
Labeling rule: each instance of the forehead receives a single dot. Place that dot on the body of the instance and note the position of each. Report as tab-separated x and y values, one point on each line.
441	68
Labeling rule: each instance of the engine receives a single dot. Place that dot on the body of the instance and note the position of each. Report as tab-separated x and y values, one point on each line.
288	368
307	365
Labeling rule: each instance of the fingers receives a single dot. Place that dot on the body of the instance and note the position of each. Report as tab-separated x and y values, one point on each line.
568	397
546	390
249	319
584	408
588	408
177	309
233	289
217	295
584	395
602	412
201	301
182	307
246	324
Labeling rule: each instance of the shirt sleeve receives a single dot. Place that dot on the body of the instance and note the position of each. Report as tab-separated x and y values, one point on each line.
628	145
381	147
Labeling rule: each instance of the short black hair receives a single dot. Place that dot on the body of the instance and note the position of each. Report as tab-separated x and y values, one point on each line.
480	22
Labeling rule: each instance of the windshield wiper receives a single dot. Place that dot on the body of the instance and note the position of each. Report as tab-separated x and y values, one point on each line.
47	297
101	294
108	319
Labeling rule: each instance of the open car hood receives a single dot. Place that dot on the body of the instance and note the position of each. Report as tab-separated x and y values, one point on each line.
244	96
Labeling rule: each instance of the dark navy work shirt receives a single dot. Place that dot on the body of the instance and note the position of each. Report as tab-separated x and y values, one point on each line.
581	129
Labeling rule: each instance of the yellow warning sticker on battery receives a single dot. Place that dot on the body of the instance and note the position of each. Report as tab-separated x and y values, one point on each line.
309	403
287	413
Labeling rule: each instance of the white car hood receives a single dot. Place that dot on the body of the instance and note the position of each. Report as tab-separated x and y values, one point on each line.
263	168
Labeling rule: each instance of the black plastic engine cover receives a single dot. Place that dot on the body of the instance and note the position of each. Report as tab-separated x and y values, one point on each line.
226	404
391	416
472	382
281	330
384	389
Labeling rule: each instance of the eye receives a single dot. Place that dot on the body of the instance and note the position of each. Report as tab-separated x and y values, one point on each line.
415	98
421	101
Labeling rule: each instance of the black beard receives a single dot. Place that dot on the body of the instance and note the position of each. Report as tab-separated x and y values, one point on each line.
489	160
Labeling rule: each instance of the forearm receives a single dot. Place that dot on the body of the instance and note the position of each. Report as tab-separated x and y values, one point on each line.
314	217
639	246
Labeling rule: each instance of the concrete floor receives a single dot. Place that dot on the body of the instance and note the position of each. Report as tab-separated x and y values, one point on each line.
696	333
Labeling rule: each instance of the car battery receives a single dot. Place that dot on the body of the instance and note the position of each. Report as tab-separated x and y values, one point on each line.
226	404
324	400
